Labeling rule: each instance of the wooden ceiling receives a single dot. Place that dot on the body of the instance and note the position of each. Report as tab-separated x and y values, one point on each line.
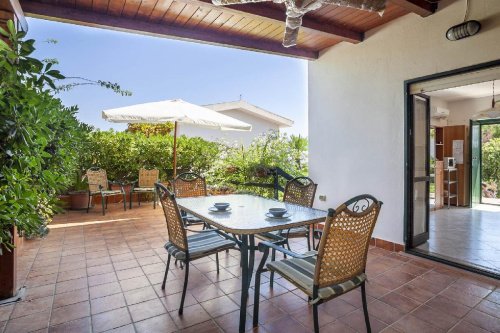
257	26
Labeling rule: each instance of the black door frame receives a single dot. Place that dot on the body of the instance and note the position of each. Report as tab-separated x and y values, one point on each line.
408	155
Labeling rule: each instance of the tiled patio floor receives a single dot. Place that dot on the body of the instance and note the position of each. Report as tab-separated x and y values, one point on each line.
95	273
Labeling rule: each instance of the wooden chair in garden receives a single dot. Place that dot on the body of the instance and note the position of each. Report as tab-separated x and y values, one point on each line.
100	185
189	184
188	248
339	264
145	184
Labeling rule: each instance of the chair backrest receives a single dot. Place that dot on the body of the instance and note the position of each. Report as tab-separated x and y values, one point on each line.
346	237
97	177
148	178
300	191
175	225
189	184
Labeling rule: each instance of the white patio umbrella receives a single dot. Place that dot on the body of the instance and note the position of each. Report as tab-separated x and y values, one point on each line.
177	111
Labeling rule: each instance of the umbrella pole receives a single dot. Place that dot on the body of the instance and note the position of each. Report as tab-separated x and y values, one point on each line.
175	149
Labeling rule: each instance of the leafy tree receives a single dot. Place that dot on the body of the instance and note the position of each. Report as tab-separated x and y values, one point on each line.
491	161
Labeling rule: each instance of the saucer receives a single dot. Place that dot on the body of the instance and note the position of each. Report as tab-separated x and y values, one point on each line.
271	216
215	210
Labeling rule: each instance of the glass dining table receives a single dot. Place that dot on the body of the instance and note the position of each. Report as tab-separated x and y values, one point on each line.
246	217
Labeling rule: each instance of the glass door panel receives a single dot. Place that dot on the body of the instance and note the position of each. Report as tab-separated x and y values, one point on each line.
421	169
475	135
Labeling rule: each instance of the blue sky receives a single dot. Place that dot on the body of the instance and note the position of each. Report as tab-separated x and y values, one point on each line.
158	68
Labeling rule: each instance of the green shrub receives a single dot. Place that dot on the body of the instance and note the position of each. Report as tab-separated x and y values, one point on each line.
37	135
491	161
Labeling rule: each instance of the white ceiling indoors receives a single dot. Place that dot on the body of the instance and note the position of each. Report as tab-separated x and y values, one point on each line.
476	90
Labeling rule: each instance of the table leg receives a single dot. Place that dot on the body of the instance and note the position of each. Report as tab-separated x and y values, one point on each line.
247	249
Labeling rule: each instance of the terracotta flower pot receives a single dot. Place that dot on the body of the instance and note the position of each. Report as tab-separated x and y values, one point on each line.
79	200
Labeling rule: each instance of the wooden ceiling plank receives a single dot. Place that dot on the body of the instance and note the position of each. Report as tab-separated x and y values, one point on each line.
258	11
420	7
272	27
185	15
197	17
255	31
116	7
173	11
221	20
85	4
131	8
230	23
88	18
159	10
146	8
100	6
209	19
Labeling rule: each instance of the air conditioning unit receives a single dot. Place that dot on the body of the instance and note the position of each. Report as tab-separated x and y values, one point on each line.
439	112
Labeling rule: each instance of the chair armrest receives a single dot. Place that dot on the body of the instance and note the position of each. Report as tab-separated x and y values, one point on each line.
265	246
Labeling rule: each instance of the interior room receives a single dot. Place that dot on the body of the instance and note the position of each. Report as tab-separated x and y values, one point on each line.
464	214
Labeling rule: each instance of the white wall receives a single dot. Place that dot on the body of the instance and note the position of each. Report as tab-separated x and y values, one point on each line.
259	126
356	103
462	111
438	102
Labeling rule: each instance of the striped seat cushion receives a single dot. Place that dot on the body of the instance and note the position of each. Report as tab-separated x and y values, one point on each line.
110	192
143	189
298	231
300	272
200	245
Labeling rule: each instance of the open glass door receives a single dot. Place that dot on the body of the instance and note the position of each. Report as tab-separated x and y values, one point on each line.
475	162
420	138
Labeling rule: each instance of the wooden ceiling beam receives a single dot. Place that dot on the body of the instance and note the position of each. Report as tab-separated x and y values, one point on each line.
93	19
262	12
420	7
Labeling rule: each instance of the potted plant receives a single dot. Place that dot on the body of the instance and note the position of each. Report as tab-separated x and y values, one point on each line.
79	194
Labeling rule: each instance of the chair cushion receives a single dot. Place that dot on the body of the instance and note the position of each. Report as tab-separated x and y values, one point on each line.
143	189
300	272
201	245
110	192
293	232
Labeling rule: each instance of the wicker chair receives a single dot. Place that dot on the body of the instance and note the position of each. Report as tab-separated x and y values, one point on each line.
99	185
145	184
299	191
338	266
189	184
188	248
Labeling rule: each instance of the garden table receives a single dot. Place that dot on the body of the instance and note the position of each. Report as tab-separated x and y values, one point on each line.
247	218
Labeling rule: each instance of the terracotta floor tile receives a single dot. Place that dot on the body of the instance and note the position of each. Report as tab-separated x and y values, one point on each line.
76	326
162	323
419	295
38	292
490	308
461	297
146	310
208	326
384	312
356	320
337	327
111	319
33	306
41	280
230	321
71	275
435	317
129	273
173	301
154	268
5	311
96	280
140	295
470	288
123	329
28	323
219	306
494	297
120	265
71	285
192	315
484	321
290	302
448	306
104	289
465	327
96	270
285	324
412	324
134	283
107	303
69	313
71	297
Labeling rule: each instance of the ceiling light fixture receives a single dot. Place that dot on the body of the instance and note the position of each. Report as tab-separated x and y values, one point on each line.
490	113
464	29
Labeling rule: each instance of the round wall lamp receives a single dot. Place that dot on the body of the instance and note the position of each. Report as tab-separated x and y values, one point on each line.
463	30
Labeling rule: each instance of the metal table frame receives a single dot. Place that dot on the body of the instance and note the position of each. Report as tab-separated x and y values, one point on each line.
246	239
